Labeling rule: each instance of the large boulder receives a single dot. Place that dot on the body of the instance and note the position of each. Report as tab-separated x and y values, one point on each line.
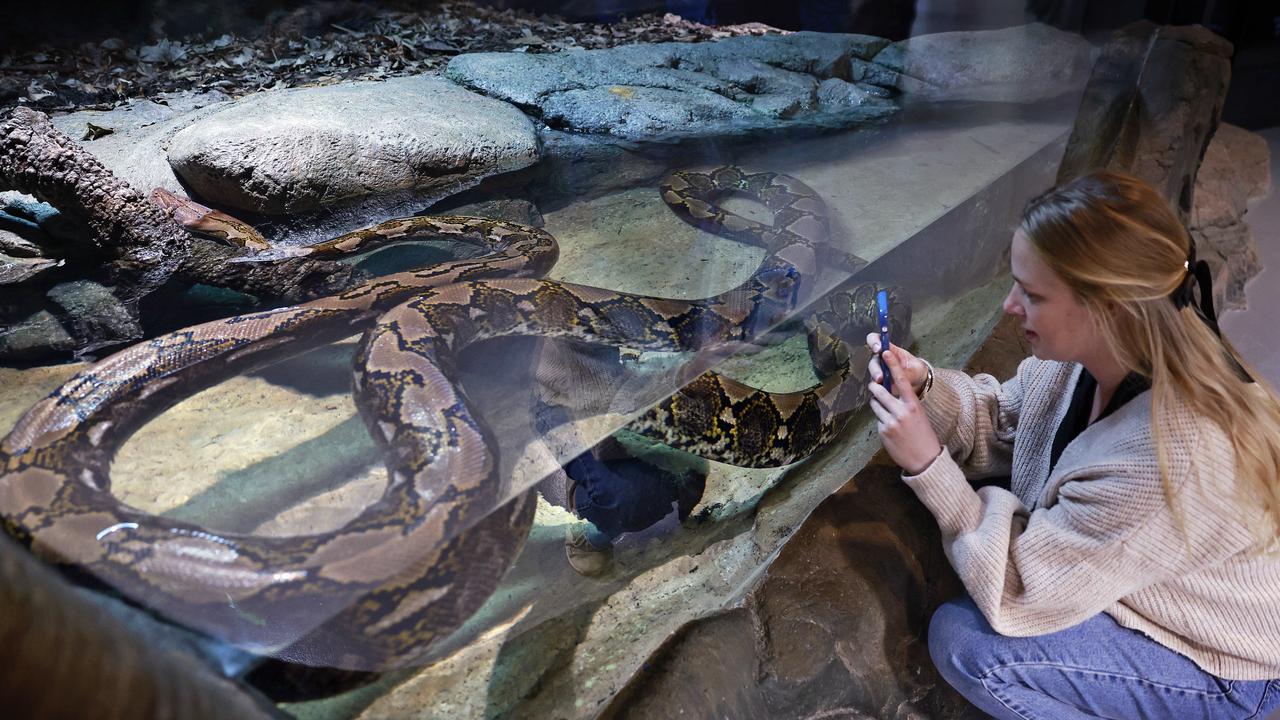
1017	64
833	628
670	91
1235	170
415	139
1151	106
131	140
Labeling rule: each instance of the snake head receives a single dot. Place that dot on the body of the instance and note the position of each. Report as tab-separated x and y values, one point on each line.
207	222
184	211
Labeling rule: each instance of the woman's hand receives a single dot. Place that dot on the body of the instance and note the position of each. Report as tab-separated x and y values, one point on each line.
904	428
914	367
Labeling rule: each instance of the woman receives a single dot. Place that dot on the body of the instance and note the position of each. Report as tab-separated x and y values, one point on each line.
1132	568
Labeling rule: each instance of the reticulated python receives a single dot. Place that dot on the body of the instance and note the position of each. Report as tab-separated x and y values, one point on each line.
411	567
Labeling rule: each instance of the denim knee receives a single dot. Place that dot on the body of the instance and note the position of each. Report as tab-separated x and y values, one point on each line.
958	638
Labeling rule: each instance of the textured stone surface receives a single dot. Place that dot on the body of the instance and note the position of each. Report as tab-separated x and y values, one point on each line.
141	130
834	626
16	246
674	90
1151	106
14	270
300	150
35	338
1235	169
1017	64
93	315
577	166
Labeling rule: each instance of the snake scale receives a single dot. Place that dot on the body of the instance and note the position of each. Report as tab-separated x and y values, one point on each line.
412	566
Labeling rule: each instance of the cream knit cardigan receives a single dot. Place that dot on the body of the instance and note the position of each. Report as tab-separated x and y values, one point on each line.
1096	534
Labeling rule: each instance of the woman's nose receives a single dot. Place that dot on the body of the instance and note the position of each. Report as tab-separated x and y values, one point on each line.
1010	304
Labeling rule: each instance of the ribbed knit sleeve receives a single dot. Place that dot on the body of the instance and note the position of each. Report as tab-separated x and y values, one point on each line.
1029	574
1109	534
1095	531
975	419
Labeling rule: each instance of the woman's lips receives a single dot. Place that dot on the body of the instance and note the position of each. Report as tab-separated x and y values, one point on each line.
1030	335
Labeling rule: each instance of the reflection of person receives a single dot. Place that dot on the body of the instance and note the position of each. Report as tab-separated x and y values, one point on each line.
610	489
616	493
1132	568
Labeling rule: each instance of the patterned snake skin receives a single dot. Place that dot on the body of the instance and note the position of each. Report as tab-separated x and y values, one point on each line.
411	567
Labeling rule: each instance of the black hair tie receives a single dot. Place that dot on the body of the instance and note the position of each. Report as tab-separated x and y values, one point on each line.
1184	295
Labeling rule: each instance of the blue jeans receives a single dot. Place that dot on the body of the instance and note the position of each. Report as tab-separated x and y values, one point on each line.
1097	669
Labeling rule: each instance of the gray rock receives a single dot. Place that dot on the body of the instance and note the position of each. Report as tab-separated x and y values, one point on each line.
1251	157
510	209
1151	107
16	244
135	114
837	92
1016	64
38	337
141	130
676	90
300	150
578	165
37	221
92	314
14	270
1235	169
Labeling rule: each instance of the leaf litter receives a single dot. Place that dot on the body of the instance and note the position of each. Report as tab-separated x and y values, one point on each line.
315	45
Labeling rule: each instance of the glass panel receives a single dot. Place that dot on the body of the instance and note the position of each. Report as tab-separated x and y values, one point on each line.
581	462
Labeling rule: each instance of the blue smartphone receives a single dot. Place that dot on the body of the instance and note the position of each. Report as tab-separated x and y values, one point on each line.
882	314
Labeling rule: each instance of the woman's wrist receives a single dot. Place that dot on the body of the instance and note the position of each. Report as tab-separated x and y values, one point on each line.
916	472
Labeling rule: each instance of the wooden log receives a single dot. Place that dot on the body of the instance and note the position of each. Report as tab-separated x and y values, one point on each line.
142	245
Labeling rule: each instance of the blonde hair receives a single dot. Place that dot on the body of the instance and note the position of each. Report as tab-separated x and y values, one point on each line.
1119	246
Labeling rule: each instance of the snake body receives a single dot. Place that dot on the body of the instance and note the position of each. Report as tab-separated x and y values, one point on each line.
411	567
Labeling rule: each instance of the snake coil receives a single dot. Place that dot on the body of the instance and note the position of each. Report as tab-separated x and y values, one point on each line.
415	564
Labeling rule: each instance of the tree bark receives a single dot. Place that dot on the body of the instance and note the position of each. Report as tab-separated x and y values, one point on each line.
142	245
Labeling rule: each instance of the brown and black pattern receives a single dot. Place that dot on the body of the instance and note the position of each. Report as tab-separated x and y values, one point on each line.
411	567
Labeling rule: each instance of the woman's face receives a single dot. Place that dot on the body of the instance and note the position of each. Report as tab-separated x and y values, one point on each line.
1058	326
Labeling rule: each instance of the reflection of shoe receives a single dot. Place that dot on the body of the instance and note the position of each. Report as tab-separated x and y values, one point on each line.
585	558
